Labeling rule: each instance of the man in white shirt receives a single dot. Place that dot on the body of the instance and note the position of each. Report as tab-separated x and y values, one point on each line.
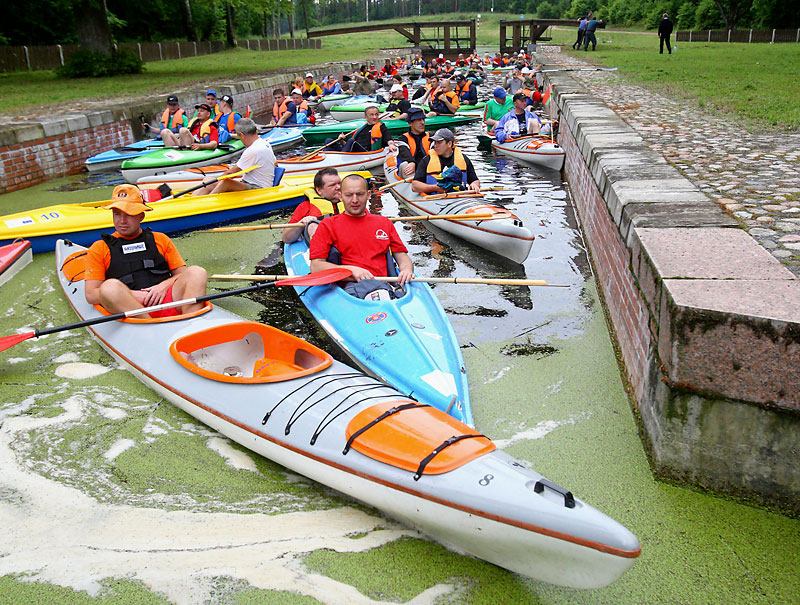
257	153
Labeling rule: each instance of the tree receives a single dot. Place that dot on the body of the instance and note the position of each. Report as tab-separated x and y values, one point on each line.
230	38
91	25
733	11
307	11
188	21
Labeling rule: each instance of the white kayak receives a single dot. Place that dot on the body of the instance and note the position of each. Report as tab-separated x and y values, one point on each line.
292	403
507	237
533	149
343	162
328	101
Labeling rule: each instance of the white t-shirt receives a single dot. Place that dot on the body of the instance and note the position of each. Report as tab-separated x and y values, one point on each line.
259	153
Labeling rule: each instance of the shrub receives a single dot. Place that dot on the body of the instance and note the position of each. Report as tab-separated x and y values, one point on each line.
94	64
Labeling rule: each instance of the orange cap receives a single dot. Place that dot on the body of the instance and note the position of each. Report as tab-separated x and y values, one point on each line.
128	198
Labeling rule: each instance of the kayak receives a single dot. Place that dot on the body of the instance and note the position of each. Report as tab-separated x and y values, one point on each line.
288	401
342	113
113	158
328	101
534	149
13	258
501	70
316	135
343	162
83	223
407	342
162	161
507	237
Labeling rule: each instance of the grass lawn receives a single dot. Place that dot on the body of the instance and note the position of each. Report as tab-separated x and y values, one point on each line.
758	82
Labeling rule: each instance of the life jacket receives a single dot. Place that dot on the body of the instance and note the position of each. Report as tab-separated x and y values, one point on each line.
505	61
448	69
278	111
309	89
330	87
412	143
217	113
418	62
439	106
172	121
228	121
136	262
375	135
309	113
324	206
434	172
462	90
461	62
204	136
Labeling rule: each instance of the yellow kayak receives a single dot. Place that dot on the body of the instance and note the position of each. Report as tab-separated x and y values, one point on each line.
83	223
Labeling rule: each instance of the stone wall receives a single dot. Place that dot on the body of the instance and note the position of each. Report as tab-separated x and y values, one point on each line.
33	151
707	321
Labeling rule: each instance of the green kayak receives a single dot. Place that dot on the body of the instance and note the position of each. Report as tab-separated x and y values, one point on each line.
348	112
169	159
316	135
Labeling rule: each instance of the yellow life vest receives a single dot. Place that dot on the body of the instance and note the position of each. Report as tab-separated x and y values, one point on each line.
205	130
434	171
325	207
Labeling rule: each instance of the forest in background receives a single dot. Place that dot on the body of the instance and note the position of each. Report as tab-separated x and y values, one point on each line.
65	21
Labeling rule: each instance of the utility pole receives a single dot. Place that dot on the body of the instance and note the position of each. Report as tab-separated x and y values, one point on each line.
366	9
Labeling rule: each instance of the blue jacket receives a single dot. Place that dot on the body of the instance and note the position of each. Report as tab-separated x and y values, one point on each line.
500	131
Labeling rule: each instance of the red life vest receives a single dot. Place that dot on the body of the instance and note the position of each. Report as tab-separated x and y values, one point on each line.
172	121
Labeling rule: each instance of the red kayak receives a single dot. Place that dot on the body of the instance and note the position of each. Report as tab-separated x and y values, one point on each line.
13	257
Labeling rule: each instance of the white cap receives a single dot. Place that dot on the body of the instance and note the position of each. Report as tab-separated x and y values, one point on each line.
441	56
369	106
309	75
527	70
296	91
396	87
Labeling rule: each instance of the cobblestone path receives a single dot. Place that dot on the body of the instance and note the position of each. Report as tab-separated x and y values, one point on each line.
755	176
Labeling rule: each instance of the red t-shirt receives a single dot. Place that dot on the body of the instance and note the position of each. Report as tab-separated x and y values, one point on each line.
305	209
362	241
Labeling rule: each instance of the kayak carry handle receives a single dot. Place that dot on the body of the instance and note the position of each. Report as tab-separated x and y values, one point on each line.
569	500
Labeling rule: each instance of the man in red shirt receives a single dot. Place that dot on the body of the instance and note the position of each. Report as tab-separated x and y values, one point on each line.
134	267
323	200
362	239
201	133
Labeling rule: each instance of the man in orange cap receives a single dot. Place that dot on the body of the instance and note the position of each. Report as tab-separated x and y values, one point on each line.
134	267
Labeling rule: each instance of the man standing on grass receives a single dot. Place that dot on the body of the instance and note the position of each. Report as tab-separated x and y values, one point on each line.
664	32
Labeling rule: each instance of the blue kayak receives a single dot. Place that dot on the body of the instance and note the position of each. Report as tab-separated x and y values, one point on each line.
279	138
408	342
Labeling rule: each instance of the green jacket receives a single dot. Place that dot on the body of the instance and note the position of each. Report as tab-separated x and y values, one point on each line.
495	111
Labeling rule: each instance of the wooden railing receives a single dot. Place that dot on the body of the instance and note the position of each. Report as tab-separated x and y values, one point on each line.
739	35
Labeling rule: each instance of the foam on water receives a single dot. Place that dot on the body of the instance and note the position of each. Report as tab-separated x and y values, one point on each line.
233	457
541	429
79	371
119	447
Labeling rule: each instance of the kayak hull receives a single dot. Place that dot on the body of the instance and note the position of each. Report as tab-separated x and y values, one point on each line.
83	223
14	258
328	101
112	159
489	505
376	334
343	113
506	237
168	160
533	150
316	135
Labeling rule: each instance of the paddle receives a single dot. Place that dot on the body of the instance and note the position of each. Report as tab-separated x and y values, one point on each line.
395	184
428	280
426	217
328	276
201	185
465	193
132	149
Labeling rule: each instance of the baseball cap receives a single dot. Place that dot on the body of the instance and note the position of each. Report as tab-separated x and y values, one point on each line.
396	87
172	100
500	92
460	77
415	113
441	56
309	75
128	198
211	92
296	91
205	106
228	99
443	134
519	96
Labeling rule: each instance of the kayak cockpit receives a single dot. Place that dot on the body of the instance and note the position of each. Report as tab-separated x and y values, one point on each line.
247	352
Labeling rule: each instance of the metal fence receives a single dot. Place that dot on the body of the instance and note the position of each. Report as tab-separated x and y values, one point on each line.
32	58
739	35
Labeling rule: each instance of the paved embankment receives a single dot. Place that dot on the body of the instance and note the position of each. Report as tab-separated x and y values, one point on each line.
755	175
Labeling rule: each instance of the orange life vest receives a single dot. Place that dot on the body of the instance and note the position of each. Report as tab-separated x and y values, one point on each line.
171	121
278	111
412	143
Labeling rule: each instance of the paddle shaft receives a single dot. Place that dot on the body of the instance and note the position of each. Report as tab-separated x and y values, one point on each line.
201	185
395	184
403	219
326	145
428	280
465	193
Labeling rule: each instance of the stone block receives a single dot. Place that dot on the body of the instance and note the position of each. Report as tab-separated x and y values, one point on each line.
7	137
672	214
736	339
98	118
637	191
53	128
30	131
75	123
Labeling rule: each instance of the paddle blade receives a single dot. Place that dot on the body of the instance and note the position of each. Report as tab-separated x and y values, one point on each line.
6	342
320	278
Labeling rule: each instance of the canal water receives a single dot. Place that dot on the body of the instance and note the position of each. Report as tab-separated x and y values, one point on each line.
108	490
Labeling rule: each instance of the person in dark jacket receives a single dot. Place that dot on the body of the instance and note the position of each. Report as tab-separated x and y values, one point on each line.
581	30
664	31
591	26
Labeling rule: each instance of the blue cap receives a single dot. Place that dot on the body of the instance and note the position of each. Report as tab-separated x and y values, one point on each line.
500	92
211	92
415	113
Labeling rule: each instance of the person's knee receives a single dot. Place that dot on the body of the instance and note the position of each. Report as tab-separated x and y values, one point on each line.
196	275
112	288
